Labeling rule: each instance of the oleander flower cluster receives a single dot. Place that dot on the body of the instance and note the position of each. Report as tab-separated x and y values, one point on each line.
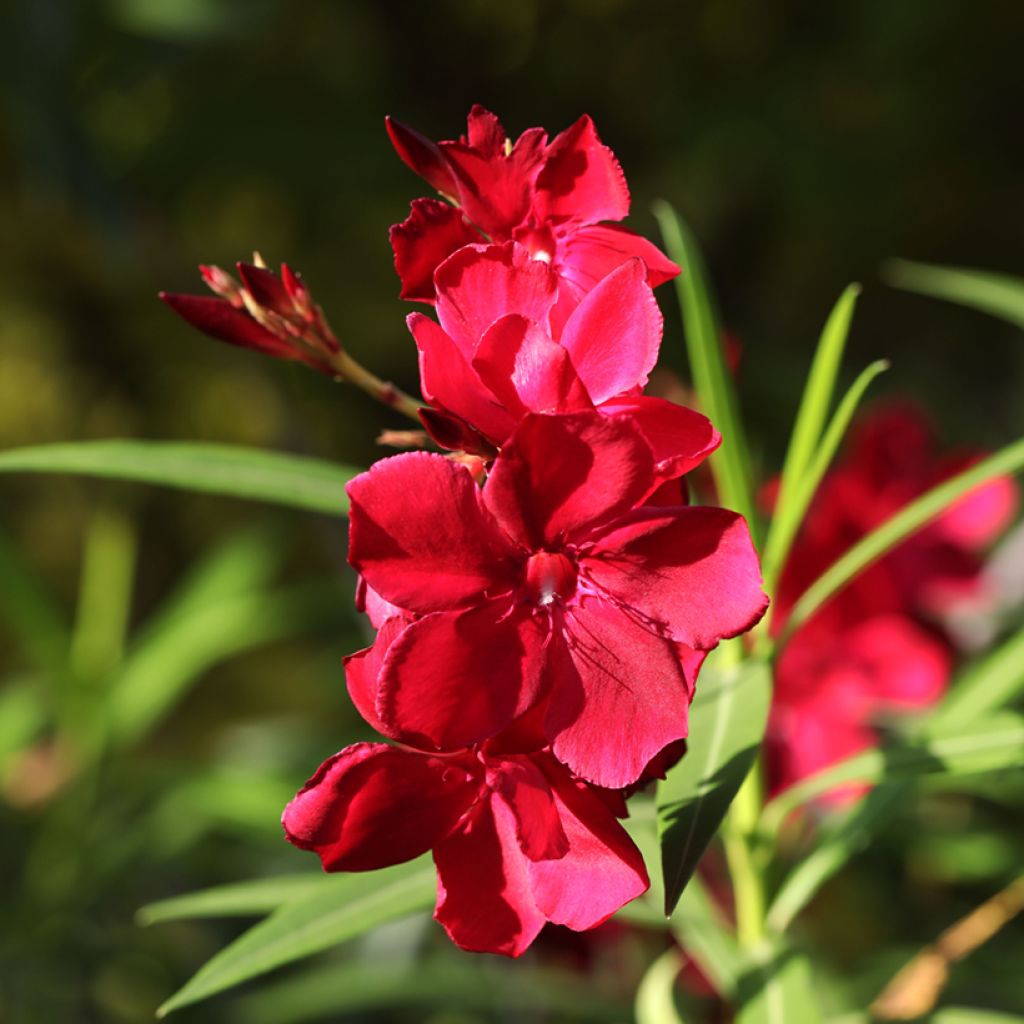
882	645
543	593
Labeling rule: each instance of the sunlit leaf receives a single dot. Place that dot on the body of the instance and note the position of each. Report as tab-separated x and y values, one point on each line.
998	294
716	393
296	481
912	517
777	988
807	430
351	906
727	722
806	485
252	898
655	996
992	744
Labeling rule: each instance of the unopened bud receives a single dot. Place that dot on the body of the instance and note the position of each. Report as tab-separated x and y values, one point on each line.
221	283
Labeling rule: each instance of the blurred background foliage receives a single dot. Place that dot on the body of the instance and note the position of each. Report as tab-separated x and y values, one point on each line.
172	662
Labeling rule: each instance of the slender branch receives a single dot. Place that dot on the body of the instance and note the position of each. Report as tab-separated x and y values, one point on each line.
384	391
740	836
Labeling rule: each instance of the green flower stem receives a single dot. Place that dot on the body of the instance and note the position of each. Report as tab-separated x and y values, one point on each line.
748	882
384	391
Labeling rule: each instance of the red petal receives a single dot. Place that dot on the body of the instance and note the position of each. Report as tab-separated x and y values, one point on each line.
220	320
581	180
524	788
484	132
423	241
618	694
372	805
495	189
456	678
614	334
693	570
588	254
527	371
560	477
681	438
266	288
450	383
362	674
602	870
422	155
480	283
484	900
420	535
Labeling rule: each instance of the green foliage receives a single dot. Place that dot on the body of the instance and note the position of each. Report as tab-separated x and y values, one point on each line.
716	393
727	720
912	517
777	987
295	481
998	294
340	908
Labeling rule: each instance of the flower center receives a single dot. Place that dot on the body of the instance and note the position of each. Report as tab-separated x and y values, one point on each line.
550	574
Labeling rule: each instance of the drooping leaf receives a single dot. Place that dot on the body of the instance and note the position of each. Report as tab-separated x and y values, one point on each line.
998	294
777	987
295	481
716	393
705	934
912	517
727	722
251	898
352	905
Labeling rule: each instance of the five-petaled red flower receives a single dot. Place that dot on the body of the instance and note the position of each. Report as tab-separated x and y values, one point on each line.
553	586
553	198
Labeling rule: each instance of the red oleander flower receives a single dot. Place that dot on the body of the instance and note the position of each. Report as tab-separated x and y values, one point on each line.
517	841
554	198
552	588
499	352
877	647
270	313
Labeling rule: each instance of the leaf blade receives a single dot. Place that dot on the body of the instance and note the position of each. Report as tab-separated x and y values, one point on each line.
310	925
295	481
727	722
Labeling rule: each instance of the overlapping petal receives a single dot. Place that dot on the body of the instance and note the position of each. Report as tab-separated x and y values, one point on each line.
372	805
423	241
561	477
420	536
693	570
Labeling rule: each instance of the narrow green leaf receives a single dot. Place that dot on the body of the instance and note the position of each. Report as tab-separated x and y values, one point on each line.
296	481
23	714
806	485
912	517
354	904
655	996
997	294
161	673
727	722
104	596
31	613
989	684
716	393
844	837
457	984
992	744
707	938
252	898
777	988
807	428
